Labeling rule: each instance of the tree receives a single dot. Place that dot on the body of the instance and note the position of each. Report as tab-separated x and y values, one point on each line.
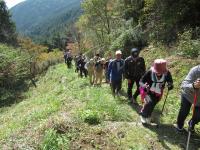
7	27
97	21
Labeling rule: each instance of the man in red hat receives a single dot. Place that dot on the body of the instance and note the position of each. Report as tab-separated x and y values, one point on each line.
153	83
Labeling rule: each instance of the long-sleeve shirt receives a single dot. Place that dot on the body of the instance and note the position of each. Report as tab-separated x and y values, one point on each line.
188	91
150	80
116	70
134	68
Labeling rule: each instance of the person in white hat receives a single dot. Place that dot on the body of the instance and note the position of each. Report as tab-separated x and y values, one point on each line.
115	72
153	83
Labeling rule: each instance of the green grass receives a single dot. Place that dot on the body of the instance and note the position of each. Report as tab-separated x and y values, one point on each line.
65	112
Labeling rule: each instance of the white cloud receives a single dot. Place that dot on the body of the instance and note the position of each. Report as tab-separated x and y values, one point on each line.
11	3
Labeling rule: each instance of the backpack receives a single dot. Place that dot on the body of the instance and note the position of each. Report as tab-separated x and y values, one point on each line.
98	66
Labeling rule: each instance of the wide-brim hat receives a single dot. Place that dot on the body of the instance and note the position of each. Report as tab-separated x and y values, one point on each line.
159	66
119	52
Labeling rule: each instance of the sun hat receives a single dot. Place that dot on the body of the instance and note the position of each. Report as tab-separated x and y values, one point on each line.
159	66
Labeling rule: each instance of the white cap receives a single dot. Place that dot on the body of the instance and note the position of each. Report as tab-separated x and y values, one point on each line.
103	59
118	52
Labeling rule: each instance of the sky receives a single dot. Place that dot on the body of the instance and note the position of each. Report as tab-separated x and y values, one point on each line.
11	3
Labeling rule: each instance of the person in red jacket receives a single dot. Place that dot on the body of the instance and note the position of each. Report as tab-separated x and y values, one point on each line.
152	84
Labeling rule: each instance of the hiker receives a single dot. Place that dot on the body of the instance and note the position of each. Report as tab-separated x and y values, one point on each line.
109	59
134	70
81	65
98	71
69	58
153	83
90	69
190	89
65	56
97	58
115	73
76	58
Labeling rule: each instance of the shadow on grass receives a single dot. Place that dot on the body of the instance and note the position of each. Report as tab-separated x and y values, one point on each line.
167	133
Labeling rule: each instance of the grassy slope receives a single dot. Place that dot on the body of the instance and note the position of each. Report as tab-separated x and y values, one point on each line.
57	108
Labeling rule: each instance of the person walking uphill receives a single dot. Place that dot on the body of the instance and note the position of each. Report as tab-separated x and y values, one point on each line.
134	70
190	95
115	72
153	83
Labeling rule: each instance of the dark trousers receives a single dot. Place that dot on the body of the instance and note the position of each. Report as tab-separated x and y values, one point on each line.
116	86
83	71
130	87
184	111
149	106
69	63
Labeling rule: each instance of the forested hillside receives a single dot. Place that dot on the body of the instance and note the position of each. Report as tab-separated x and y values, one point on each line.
44	19
123	24
20	60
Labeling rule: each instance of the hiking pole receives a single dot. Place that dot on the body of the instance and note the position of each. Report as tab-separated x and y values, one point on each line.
164	102
189	133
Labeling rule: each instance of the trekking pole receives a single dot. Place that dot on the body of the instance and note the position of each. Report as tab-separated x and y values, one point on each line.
164	102
189	133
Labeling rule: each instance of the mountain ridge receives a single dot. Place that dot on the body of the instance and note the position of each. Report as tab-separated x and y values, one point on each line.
36	18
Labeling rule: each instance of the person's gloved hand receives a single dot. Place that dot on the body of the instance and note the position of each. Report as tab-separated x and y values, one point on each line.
170	86
146	88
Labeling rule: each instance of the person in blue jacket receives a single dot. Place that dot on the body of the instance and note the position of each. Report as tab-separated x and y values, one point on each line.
115	73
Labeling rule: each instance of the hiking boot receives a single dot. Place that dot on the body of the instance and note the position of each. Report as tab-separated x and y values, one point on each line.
177	128
143	120
190	127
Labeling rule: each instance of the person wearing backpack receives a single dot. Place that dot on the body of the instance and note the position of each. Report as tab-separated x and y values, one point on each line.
134	70
153	84
81	65
65	56
108	60
69	58
190	94
90	69
98	71
115	73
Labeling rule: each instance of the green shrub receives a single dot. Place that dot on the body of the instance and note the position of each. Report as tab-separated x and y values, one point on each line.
17	65
14	70
132	37
54	141
90	116
188	47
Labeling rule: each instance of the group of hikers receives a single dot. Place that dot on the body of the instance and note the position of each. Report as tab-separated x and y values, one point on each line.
150	83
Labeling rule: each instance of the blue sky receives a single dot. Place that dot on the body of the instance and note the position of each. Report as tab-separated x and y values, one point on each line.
11	3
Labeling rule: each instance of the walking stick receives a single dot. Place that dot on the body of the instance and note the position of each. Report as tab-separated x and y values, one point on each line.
164	102
189	133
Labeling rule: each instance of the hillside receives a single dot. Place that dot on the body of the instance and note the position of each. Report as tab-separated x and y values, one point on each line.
65	112
44	18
